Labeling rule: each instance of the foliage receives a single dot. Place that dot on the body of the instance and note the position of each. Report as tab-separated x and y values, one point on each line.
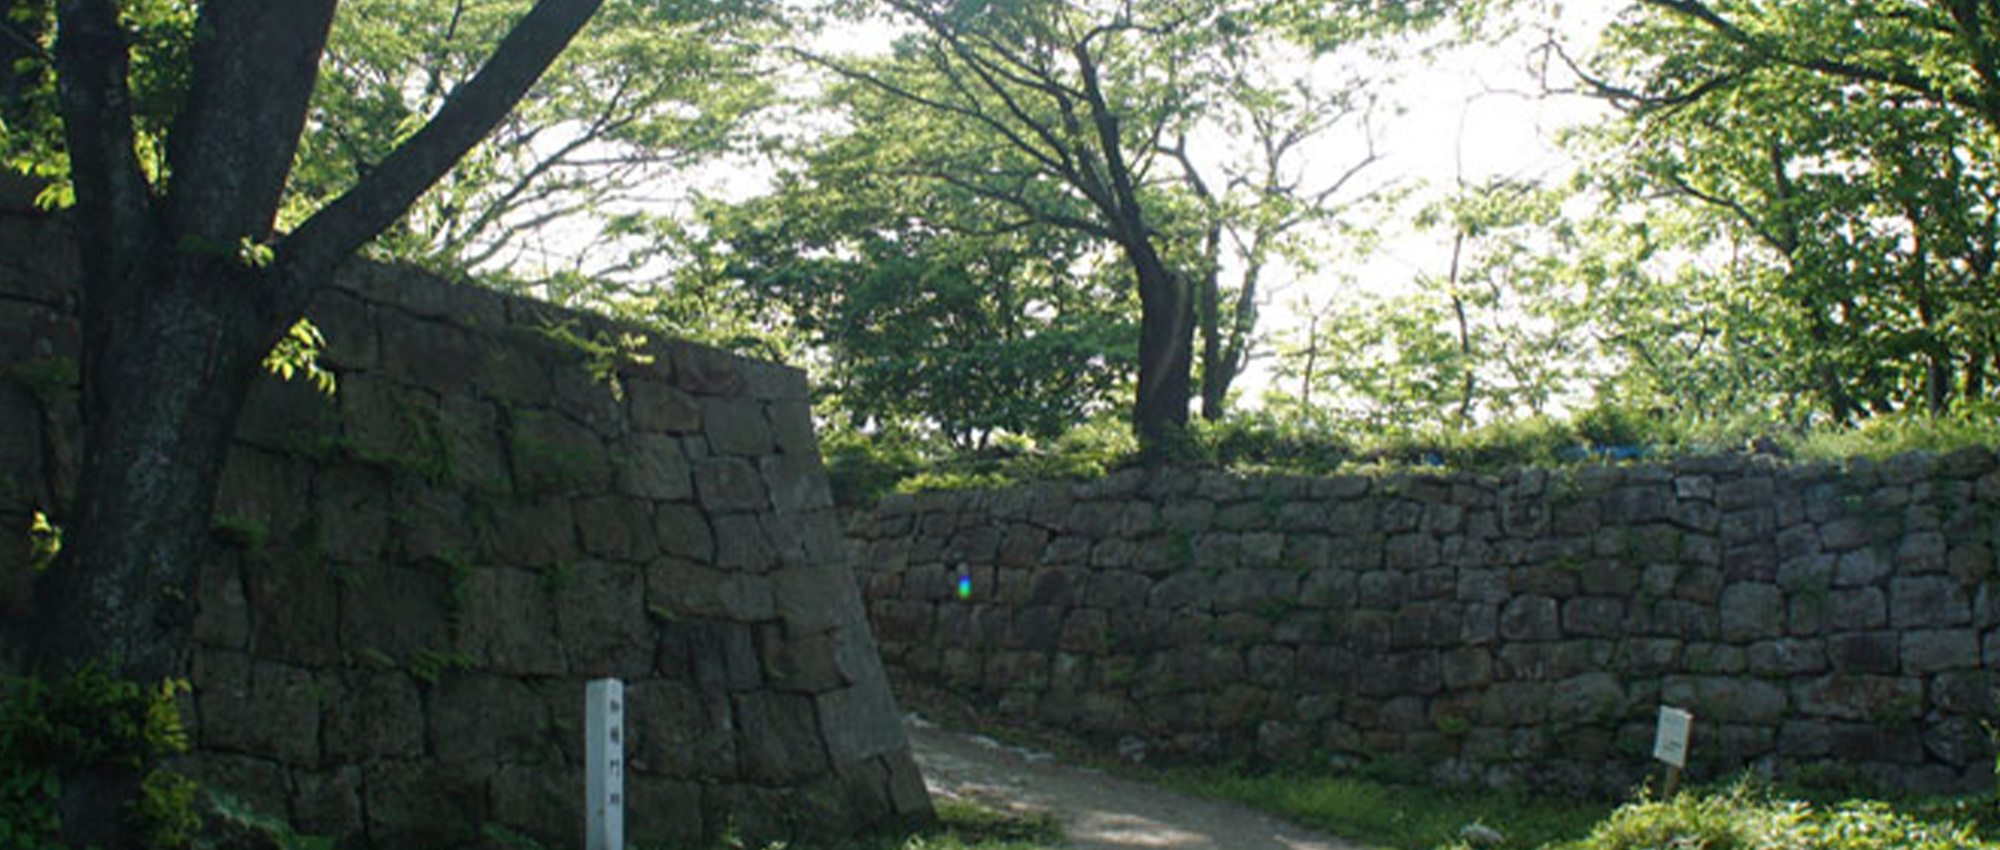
864	467
297	353
1842	156
45	542
1742	817
237	821
927	315
1250	440
87	720
1968	425
1081	120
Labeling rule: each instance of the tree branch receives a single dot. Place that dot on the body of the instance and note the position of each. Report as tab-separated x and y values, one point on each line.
386	193
231	149
113	197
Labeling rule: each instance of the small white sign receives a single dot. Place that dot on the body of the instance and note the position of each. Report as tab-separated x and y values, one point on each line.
1670	745
604	764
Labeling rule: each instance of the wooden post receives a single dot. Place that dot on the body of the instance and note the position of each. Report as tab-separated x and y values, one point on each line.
604	764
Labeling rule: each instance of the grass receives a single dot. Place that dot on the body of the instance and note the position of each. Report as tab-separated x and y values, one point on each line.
961	826
1742	815
1391	814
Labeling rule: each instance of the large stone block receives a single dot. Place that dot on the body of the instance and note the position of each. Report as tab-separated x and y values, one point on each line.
673	585
679	731
480	719
778	737
511	625
1927	602
552	453
1877	699
1726	699
423	804
617	528
376	714
729	485
601	620
1750	611
737	426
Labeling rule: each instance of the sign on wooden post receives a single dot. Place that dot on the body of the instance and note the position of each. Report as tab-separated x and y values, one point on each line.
604	764
1670	743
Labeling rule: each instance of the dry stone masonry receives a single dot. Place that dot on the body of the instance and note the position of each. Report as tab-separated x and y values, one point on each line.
414	578
1837	623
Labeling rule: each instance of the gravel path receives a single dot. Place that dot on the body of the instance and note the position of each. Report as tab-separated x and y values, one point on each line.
1097	811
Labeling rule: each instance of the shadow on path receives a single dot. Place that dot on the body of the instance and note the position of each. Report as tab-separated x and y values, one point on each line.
1097	811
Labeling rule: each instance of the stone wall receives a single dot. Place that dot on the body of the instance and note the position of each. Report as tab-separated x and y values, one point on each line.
1823	622
414	578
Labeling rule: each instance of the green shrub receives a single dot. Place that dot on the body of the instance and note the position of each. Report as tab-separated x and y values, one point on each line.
51	729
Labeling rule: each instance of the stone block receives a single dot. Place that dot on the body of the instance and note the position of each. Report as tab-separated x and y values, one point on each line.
1920	602
729	485
1939	650
423	803
1857	609
816	597
1864	652
1751	611
400	610
737	426
1787	657
1845	696
661	408
553	454
618	528
1715	658
679	731
601	620
1531	618
1859	568
1466	668
688	588
327	802
1589	698
779	737
297	611
1642	657
377	714
682	531
224	618
1594	616
1252	590
1726	699
512	625
479	719
652	466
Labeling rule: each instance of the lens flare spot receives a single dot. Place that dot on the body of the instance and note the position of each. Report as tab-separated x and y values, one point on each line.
965	587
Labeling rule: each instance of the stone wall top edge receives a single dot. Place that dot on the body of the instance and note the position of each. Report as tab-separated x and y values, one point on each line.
426	294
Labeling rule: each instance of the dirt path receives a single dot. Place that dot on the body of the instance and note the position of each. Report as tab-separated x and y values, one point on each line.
1097	811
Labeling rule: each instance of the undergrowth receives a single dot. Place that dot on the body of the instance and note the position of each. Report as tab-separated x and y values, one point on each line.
863	467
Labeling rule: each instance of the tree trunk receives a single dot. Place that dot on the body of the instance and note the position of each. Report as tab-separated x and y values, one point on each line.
1166	355
163	379
178	312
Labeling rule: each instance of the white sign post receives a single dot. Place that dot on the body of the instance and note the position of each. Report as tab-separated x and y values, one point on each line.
1670	743
604	764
